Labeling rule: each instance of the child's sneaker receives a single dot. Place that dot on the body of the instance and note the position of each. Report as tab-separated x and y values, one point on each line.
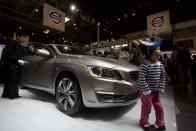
157	128
145	127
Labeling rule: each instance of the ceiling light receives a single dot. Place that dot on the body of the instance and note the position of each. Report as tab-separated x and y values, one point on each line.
125	15
36	10
118	19
46	31
32	33
20	27
74	24
133	14
73	7
67	19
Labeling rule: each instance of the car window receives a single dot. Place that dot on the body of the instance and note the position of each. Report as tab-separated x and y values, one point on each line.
69	50
51	48
35	46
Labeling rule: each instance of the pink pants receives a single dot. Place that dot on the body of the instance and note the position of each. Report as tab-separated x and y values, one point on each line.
147	102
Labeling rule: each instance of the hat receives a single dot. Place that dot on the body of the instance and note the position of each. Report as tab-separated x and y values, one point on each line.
155	44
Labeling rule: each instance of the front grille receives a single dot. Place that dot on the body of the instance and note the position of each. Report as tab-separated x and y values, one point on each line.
117	98
134	75
131	96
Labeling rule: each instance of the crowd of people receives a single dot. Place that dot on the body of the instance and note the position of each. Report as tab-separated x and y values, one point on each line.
133	54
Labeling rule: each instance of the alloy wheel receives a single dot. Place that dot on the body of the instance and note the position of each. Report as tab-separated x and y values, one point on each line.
66	93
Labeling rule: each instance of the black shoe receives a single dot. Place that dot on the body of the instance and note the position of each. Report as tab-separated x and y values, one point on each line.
4	96
15	97
145	128
157	128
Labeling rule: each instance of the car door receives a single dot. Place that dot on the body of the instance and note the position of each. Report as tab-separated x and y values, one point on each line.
40	69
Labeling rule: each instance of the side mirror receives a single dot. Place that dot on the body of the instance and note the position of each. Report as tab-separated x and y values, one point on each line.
43	52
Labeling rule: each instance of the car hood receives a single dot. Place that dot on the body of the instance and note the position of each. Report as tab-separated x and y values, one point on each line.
101	61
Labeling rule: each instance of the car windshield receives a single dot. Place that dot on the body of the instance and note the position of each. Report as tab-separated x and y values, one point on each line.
69	50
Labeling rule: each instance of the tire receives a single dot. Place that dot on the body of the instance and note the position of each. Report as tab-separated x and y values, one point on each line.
68	95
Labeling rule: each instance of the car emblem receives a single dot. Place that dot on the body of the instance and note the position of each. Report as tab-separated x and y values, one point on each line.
55	17
158	21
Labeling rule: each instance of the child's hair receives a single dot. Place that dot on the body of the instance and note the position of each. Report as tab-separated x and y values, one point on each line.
149	53
21	33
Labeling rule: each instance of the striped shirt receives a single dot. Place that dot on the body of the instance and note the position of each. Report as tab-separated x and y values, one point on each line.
151	76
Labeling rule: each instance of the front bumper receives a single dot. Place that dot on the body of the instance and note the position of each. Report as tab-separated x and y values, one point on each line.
110	93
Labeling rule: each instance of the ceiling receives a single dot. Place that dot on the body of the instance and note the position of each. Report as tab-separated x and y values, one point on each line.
116	17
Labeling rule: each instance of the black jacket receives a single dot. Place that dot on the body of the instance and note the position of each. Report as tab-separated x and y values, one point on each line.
11	54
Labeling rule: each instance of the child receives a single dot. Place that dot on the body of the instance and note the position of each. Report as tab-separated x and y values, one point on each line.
151	82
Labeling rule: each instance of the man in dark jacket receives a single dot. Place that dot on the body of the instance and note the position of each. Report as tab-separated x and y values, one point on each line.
12	59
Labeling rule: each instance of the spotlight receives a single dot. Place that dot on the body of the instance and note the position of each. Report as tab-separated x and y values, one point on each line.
36	10
133	14
73	7
46	31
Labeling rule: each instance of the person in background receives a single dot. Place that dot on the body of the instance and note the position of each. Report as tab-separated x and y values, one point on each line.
124	54
193	68
100	54
165	62
136	56
183	64
12	59
94	52
151	82
173	65
112	55
105	53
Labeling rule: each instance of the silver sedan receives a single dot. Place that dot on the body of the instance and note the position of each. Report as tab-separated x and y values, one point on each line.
79	80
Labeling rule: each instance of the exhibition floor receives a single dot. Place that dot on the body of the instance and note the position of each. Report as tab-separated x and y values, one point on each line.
36	111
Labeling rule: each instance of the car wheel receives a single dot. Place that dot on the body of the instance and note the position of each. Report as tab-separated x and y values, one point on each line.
68	95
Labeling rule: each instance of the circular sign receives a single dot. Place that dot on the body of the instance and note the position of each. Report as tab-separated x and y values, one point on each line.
158	21
55	17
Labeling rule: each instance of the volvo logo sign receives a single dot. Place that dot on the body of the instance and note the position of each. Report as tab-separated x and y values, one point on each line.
158	21
55	17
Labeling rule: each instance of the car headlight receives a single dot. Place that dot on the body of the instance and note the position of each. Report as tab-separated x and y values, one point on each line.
102	72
